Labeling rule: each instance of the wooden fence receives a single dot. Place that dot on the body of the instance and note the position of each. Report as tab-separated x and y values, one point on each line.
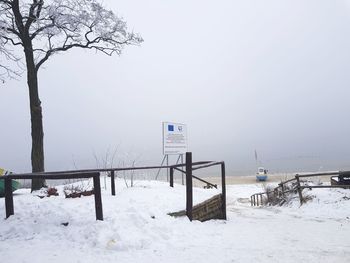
280	191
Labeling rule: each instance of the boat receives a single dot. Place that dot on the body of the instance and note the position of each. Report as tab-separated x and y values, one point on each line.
15	184
261	175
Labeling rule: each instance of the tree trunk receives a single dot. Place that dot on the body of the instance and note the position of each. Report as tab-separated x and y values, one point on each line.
36	117
32	80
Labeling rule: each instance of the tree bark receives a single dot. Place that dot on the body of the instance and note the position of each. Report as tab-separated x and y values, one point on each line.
37	132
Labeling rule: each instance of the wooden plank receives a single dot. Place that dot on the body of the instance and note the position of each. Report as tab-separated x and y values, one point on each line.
189	190
8	198
326	186
207	210
299	190
223	189
283	193
98	198
317	174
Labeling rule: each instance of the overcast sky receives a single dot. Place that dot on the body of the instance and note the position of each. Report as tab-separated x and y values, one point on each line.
243	75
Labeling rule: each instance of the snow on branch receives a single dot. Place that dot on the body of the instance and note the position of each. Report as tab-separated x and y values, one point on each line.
52	26
7	58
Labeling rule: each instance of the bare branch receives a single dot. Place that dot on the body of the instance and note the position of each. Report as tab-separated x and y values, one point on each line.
7	58
34	12
53	26
7	73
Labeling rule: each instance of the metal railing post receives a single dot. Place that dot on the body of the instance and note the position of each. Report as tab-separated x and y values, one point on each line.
8	198
98	198
171	176
112	182
189	190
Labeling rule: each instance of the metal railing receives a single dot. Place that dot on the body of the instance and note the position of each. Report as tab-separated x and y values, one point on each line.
95	174
9	207
190	167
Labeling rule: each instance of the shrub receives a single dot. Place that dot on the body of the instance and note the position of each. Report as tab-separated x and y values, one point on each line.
78	189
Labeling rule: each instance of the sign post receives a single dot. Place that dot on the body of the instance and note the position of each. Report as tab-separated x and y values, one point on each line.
174	142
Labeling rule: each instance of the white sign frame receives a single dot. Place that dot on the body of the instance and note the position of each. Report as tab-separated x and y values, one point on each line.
174	138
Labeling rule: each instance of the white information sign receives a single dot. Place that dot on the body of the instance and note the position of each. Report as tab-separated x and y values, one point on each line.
174	138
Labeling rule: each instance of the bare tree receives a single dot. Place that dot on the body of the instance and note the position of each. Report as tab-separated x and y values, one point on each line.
45	28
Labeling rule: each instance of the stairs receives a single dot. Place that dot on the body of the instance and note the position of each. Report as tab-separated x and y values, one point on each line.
207	210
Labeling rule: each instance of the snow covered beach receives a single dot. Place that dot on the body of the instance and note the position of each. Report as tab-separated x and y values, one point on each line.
137	228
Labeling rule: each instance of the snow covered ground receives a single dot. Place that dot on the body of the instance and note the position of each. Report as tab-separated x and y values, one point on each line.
137	228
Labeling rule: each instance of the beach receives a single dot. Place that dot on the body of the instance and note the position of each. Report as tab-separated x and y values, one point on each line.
250	179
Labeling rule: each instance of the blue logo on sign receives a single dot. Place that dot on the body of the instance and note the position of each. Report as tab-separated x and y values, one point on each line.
170	127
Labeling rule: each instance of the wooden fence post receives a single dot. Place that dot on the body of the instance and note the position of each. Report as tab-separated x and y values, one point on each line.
189	190
299	190
171	176
8	198
112	182
98	198
223	185
282	186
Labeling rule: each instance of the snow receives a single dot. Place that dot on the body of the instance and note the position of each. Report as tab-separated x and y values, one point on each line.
136	228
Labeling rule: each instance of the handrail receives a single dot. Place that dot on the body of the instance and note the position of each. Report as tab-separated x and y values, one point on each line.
317	174
207	165
202	180
48	175
199	179
111	169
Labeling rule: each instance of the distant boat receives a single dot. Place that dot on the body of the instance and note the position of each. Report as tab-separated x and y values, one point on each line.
15	184
261	175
